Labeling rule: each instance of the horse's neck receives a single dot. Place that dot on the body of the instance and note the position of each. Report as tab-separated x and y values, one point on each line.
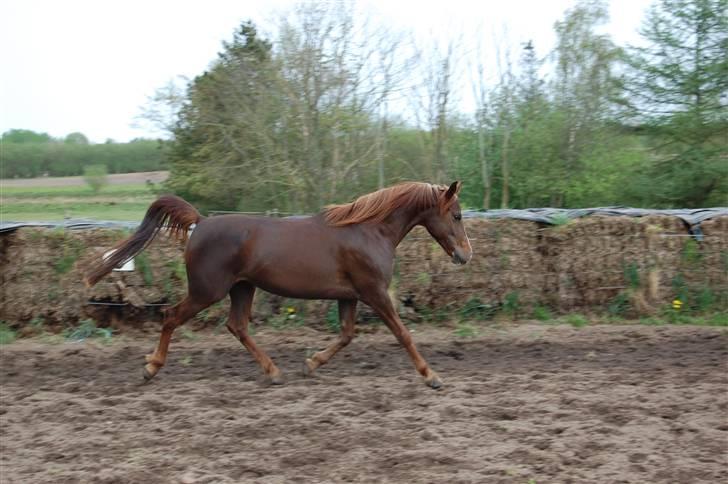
397	225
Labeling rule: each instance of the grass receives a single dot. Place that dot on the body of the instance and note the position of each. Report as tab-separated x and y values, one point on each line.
465	330
7	335
576	320
87	329
114	202
675	317
542	313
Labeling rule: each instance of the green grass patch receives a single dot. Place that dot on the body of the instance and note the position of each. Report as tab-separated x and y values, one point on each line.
542	313
77	191
87	329
7	335
114	202
466	330
673	317
48	212
475	309
332	318
576	320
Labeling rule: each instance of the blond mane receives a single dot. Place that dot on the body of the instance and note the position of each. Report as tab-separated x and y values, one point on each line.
377	206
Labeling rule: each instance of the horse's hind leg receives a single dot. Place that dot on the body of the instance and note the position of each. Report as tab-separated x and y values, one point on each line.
347	318
241	302
173	317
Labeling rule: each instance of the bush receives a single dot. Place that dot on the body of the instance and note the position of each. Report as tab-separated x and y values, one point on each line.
95	177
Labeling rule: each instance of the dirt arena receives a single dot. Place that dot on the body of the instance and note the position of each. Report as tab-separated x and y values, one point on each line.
521	404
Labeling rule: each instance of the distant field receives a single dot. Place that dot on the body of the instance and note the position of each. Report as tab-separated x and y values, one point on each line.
127	197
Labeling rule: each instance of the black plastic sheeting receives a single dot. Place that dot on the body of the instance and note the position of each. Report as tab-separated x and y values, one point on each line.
72	224
550	216
556	215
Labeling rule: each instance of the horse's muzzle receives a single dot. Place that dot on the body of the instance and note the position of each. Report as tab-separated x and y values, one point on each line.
458	258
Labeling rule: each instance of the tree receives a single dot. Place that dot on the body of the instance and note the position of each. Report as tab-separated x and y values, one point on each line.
25	136
678	94
76	139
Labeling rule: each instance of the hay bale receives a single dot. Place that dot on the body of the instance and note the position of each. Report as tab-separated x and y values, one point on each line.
505	261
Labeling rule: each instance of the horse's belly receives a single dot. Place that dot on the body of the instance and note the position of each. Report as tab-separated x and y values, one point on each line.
303	282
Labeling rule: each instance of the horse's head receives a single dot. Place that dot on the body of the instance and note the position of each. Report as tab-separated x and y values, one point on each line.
444	222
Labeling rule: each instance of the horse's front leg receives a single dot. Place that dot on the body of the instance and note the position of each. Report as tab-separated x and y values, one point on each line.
382	304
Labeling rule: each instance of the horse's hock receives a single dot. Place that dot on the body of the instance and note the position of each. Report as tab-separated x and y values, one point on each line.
589	264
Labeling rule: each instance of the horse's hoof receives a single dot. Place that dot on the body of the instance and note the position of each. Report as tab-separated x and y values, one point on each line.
434	382
309	367
149	371
276	379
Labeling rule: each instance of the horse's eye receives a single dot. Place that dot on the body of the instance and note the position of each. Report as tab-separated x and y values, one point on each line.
457	216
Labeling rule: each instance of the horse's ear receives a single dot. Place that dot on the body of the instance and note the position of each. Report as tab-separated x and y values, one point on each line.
453	190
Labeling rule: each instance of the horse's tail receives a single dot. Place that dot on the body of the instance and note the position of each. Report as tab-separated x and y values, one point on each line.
169	212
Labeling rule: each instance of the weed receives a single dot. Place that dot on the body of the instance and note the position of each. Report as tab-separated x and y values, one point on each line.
37	323
673	317
142	261
704	299
475	309
632	275
7	334
465	330
186	361
542	313
286	318
691	252
332	318
576	320
435	315
560	219
619	305
88	329
511	305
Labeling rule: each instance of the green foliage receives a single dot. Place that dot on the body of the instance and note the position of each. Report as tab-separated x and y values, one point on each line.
142	263
465	330
675	91
511	304
119	202
70	250
560	219
632	275
7	334
542	313
95	177
27	154
87	329
669	316
691	254
332	318
576	320
475	309
619	305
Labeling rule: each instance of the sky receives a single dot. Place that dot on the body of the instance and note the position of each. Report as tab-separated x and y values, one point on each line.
90	66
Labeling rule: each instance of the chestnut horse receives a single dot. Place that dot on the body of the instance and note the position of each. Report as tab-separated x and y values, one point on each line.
346	252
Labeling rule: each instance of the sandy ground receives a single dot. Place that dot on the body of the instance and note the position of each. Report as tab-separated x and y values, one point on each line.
71	181
520	405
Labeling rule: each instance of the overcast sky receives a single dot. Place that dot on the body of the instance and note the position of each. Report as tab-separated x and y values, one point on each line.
89	66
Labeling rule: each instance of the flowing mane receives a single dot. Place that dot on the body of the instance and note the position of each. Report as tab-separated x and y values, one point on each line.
376	206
